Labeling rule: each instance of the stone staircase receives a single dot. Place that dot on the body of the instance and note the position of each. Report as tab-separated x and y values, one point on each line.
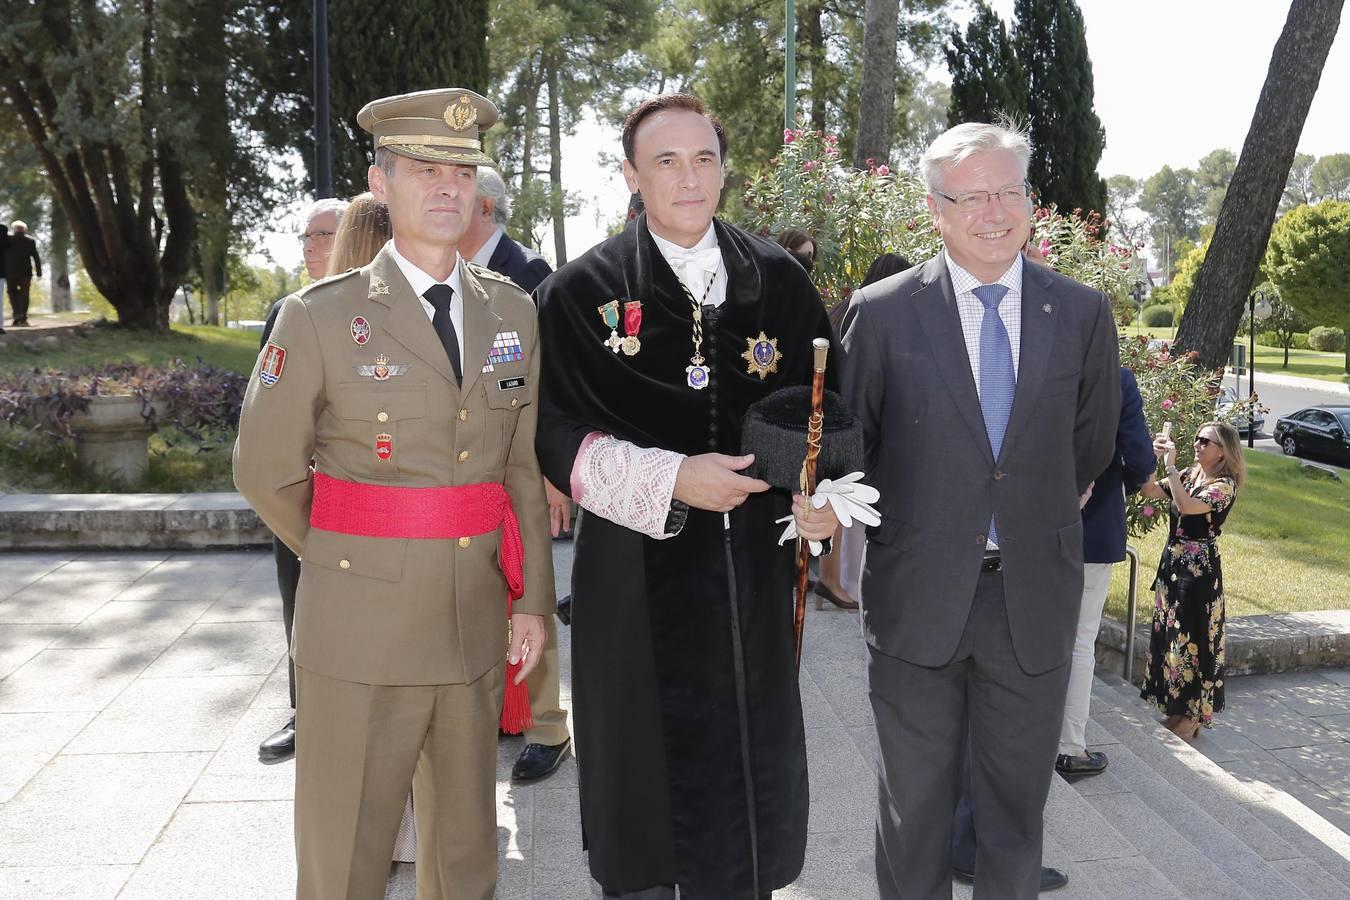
1165	822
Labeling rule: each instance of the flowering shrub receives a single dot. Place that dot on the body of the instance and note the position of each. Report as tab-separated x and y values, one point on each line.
854	216
1176	390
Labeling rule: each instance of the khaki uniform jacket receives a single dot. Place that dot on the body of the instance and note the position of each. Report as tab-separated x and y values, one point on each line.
391	610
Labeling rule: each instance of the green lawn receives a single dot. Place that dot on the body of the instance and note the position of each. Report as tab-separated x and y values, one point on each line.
227	348
1304	363
1285	545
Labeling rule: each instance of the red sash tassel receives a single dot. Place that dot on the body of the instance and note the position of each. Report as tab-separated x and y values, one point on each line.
438	513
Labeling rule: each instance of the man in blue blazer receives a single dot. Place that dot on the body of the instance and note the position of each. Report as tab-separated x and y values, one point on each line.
1103	546
989	393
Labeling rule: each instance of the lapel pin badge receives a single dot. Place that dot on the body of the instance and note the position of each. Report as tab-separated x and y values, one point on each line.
1047	308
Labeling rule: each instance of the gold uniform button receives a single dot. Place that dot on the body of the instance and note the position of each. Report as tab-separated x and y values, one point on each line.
382	417
464	542
344	564
464	456
515	401
464	415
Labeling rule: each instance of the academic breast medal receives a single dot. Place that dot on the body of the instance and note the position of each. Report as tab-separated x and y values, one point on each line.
609	312
762	355
632	324
696	373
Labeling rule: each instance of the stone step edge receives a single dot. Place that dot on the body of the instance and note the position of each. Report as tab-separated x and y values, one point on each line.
221	527
1313	836
1255	645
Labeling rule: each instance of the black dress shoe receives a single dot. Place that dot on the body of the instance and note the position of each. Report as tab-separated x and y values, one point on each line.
1093	763
1051	879
280	745
539	761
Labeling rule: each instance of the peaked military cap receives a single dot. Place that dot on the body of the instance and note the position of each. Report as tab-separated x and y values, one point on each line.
437	126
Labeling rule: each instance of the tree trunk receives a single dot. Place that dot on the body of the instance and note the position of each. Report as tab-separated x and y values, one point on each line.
522	223
556	206
1240	236
812	29
877	101
58	259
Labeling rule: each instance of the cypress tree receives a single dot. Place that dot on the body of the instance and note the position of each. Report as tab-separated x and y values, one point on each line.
1066	136
987	78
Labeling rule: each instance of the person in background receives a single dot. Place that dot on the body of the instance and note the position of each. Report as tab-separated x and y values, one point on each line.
800	245
841	571
1103	547
21	262
321	225
487	244
1186	646
4	244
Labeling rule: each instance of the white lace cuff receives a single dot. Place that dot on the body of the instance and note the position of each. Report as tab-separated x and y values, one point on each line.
630	485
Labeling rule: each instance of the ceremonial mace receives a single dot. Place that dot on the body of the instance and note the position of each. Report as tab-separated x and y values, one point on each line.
821	349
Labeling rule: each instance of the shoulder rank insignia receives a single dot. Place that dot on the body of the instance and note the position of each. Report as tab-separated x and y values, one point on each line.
381	371
377	286
762	355
273	361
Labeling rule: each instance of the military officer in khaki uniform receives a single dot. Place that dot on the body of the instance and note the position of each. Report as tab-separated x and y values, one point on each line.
387	437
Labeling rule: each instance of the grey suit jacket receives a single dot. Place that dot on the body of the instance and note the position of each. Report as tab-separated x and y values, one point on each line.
908	378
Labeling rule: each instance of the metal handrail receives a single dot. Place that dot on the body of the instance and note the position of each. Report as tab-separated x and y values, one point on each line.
1130	610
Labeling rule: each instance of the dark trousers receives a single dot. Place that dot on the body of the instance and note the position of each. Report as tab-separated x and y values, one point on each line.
288	578
923	716
18	297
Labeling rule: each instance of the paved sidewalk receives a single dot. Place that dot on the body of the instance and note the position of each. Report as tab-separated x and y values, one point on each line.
135	687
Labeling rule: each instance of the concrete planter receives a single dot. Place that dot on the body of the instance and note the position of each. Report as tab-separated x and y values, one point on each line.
112	437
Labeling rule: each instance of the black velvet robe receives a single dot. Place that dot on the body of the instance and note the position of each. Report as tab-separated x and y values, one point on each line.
659	748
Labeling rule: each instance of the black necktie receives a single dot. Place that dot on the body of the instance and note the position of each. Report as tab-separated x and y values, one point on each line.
439	296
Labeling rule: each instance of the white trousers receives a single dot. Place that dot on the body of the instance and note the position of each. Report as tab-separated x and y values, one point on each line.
851	546
1072	734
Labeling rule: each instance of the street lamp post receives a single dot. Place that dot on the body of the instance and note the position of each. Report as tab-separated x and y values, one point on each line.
1258	309
323	144
790	66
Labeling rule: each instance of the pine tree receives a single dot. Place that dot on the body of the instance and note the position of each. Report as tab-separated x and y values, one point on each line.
1066	136
987	78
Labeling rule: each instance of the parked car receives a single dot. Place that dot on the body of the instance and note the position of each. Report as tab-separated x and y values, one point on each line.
1316	432
1227	397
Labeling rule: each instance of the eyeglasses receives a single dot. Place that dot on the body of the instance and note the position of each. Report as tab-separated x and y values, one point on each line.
308	236
969	201
1203	442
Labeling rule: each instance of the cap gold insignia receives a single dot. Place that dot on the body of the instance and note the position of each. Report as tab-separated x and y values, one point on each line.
762	355
461	114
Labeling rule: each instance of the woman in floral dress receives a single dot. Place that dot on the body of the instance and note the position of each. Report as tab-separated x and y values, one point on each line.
1186	648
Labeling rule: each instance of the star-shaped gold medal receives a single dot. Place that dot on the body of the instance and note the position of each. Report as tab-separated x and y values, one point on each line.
762	355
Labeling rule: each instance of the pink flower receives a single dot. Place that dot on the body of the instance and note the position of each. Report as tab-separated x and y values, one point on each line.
808	165
883	170
788	136
1167	404
1147	511
831	152
871	161
1045	246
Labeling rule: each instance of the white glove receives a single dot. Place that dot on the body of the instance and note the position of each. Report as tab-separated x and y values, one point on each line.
849	498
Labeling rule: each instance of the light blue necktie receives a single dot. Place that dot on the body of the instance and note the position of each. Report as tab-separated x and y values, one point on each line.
997	381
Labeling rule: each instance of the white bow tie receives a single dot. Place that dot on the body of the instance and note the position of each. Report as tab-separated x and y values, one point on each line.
706	260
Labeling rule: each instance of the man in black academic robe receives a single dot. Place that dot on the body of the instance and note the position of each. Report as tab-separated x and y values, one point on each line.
683	674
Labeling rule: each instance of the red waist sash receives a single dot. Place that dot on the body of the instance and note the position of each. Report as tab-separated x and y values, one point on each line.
387	511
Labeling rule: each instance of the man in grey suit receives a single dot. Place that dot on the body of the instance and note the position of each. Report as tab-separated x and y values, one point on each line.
989	393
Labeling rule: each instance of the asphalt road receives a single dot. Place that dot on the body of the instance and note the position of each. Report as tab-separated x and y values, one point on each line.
1282	400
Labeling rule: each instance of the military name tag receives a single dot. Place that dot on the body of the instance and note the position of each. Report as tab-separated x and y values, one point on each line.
510	384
